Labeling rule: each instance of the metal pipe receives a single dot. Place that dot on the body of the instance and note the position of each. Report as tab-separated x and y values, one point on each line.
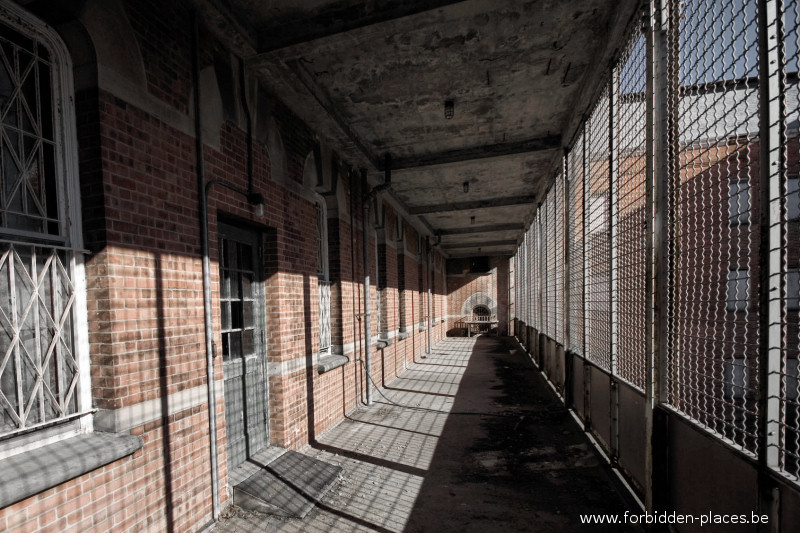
428	268
367	330
209	332
365	205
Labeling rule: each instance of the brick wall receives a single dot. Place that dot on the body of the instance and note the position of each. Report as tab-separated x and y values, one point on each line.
141	222
463	286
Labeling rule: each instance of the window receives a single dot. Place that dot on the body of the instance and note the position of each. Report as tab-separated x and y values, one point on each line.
323	281
735	378
738	290
793	289
793	198
738	203
43	340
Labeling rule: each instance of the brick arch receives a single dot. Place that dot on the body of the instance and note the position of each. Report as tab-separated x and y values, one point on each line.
479	298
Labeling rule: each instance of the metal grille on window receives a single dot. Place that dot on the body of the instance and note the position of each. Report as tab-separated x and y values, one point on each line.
631	223
712	369
39	363
598	236
324	316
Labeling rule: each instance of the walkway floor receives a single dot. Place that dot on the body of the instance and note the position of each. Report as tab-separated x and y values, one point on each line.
478	443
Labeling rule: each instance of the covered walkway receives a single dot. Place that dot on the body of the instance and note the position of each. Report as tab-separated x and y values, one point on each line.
470	438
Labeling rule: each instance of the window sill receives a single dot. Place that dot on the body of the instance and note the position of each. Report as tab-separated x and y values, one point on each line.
34	471
403	335
331	362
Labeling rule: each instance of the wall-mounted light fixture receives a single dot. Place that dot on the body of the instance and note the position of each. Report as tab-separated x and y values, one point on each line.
449	109
465	186
256	199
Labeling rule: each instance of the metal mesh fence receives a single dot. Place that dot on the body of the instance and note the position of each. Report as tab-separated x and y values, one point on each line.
557	222
598	236
715	260
575	237
536	285
712	363
550	264
631	212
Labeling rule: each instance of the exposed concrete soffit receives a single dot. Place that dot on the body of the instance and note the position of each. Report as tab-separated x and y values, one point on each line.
483	229
324	100
474	204
483	244
478	152
224	25
626	12
339	21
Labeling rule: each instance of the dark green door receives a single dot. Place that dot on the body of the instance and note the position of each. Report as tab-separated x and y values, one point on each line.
243	342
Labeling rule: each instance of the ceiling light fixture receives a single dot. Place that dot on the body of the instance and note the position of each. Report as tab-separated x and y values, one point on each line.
449	109
465	185
472	219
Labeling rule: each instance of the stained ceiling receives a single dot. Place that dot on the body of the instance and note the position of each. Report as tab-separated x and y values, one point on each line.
373	78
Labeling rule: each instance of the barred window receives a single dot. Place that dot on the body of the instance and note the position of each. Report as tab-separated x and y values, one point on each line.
43	347
738	290
324	282
793	198
738	202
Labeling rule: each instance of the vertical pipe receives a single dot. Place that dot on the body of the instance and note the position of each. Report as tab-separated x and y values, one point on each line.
208	325
772	250
366	198
428	269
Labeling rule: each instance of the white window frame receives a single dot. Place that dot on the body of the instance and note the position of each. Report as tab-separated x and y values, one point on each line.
737	285
793	198
793	289
66	164
738	212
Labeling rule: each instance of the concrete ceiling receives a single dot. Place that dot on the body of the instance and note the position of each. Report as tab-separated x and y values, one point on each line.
373	78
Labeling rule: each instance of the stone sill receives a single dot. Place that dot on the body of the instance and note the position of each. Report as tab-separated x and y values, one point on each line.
34	471
331	362
403	335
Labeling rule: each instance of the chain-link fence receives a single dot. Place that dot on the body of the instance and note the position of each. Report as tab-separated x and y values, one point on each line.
728	134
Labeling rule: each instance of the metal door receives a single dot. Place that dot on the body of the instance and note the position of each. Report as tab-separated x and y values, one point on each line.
243	342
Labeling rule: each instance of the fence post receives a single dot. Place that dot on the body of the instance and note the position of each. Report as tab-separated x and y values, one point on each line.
772	252
657	190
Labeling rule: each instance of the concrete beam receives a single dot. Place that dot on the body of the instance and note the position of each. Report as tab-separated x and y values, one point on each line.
552	142
473	204
462	255
483	229
480	244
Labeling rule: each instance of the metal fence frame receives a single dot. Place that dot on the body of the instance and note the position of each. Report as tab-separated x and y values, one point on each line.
563	255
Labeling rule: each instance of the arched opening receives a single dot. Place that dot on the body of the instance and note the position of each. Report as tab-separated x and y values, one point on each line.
481	312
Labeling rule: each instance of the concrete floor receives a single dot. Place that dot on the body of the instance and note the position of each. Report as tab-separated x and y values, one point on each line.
480	444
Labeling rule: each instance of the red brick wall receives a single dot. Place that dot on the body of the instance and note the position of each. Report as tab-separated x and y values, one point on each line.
145	297
461	285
